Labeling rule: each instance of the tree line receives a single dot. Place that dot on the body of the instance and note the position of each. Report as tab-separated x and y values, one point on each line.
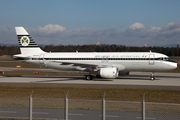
170	51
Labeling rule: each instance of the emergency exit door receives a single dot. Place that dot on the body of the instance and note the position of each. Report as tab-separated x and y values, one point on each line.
151	59
41	59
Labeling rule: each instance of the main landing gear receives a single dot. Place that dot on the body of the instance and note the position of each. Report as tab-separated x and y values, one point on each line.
152	76
89	77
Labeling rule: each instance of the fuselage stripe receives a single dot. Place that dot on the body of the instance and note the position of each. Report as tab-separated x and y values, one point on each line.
103	59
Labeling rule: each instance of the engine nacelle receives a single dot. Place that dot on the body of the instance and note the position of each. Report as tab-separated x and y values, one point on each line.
109	72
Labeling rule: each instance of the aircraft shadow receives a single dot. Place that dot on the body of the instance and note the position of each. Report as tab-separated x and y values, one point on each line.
73	79
137	78
82	78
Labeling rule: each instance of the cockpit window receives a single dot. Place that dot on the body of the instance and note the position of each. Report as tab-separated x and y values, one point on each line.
166	59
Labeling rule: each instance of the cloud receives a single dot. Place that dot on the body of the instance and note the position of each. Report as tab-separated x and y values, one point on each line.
171	29
7	36
136	25
171	26
51	29
136	34
154	29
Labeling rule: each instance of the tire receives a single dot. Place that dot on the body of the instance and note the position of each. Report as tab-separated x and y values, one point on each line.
152	78
89	77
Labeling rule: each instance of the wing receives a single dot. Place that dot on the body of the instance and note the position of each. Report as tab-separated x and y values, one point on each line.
89	66
82	66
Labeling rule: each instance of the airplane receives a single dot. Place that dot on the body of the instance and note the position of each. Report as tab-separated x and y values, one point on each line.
103	64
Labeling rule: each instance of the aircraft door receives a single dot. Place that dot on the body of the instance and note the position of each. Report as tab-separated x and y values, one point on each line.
105	59
41	59
151	59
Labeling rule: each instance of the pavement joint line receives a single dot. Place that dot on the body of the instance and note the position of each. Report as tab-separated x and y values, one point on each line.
109	116
40	113
146	118
7	111
75	114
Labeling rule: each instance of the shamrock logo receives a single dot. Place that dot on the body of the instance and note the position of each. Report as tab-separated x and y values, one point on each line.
25	41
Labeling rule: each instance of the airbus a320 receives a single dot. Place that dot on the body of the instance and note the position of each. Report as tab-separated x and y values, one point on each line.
103	64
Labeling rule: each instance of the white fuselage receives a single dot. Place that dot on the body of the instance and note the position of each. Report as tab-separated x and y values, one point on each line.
105	64
123	61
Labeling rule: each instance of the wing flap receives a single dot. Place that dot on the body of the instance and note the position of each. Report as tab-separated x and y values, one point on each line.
83	65
80	66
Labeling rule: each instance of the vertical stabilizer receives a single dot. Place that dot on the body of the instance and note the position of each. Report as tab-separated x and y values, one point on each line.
26	42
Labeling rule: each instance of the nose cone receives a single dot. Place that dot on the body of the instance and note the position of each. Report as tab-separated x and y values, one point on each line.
173	65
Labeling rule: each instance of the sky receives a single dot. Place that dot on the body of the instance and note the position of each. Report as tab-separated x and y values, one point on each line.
79	22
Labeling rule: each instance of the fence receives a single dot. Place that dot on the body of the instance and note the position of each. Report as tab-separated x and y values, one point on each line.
64	109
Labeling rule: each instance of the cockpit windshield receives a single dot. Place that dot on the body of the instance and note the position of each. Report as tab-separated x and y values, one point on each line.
166	59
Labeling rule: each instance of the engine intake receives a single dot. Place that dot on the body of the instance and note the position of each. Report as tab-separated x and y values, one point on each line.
109	72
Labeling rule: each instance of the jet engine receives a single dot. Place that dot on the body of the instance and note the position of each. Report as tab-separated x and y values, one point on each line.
109	72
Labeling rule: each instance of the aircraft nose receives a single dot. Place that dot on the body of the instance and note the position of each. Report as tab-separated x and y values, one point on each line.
174	65
177	65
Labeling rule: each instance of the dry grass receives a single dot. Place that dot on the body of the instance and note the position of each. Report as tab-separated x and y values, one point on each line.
92	93
16	63
41	73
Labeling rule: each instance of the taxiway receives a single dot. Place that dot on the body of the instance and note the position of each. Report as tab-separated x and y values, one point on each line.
134	80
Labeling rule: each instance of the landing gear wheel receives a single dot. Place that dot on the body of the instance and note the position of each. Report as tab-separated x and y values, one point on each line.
152	78
89	77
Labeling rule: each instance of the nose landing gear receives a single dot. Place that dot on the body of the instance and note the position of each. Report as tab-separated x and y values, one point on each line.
152	76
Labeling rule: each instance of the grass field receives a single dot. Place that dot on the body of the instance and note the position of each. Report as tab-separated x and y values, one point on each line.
94	93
